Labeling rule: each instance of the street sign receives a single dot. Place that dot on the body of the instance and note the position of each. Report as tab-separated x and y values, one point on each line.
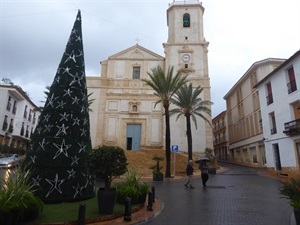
174	149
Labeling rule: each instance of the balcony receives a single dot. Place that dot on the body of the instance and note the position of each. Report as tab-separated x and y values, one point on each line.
292	127
220	140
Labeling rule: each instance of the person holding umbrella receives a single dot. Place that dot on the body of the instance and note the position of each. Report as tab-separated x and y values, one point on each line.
204	172
204	169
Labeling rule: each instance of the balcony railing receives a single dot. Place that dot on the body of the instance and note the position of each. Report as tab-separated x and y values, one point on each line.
220	140
292	127
218	126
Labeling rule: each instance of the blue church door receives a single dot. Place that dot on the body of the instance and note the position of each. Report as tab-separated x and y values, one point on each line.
133	137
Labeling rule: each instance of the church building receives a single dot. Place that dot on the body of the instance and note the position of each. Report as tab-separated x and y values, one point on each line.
124	112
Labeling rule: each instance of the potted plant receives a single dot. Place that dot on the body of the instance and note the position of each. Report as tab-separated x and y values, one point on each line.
107	162
290	189
132	187
156	169
18	202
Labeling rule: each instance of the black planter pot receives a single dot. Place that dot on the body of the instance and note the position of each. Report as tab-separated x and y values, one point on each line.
158	177
106	200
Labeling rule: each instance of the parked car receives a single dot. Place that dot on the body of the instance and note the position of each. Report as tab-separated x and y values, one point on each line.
9	160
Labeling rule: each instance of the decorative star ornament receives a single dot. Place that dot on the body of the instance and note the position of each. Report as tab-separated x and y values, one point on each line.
46	118
55	185
76	121
78	190
32	159
64	116
61	129
82	147
43	144
51	101
36	181
71	173
74	160
88	179
83	132
62	149
48	128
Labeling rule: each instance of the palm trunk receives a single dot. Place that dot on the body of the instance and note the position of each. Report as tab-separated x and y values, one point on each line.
189	137
168	143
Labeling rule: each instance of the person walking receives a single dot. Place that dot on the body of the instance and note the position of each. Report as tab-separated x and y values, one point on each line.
189	172
204	173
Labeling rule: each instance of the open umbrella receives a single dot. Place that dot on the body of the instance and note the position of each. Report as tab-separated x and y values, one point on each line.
202	159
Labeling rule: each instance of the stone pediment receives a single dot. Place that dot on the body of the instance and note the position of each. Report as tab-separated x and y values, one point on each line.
136	52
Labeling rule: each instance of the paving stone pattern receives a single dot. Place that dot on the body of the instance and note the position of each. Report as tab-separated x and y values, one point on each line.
238	196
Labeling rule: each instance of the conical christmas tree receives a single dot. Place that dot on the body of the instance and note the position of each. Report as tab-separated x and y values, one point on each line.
61	142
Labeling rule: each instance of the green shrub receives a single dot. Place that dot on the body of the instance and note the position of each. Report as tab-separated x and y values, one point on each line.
17	195
107	162
132	187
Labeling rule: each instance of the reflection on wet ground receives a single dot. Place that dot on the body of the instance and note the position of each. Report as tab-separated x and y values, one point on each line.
4	174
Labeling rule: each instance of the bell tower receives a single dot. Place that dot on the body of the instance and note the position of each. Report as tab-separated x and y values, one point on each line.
187	49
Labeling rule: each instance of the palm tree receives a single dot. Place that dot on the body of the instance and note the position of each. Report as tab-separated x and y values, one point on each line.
165	85
190	105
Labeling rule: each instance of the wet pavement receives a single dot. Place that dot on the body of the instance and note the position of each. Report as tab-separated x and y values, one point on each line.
238	196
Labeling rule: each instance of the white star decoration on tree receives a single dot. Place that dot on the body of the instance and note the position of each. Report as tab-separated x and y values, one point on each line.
74	160
61	104
71	173
55	185
62	148
46	118
62	129
78	190
76	78
88	179
32	159
82	147
48	128
38	130
75	100
36	181
83	132
51	100
76	121
67	92
64	116
43	144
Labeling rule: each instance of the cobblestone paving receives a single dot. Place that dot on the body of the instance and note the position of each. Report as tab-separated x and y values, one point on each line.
236	197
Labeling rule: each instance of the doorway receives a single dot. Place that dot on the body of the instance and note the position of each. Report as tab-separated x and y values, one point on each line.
133	137
277	157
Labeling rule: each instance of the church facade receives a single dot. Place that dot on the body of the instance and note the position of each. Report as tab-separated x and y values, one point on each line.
124	112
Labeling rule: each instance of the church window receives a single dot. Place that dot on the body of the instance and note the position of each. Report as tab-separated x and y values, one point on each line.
186	66
186	20
136	72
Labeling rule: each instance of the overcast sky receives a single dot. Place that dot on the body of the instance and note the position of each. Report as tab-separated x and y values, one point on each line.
34	34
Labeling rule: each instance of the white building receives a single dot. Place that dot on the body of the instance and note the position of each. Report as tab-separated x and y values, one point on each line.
123	113
279	95
18	117
245	134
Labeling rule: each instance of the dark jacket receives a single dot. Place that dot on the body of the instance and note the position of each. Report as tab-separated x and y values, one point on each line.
189	169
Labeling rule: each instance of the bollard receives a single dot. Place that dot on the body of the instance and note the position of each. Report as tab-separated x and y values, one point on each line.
150	201
153	193
81	214
127	215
